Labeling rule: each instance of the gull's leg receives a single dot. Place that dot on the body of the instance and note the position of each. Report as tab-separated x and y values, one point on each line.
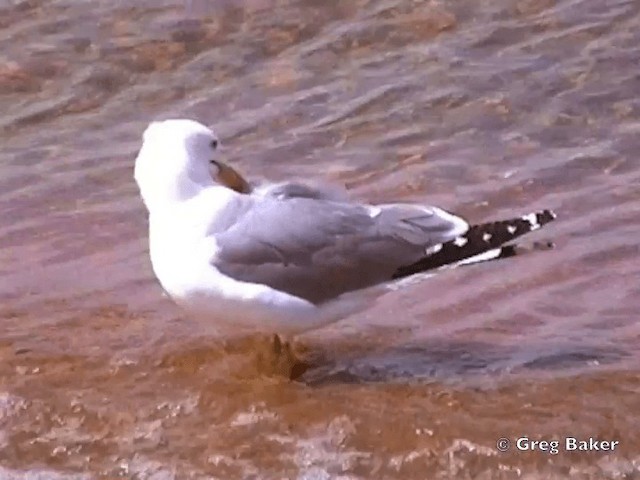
285	361
276	344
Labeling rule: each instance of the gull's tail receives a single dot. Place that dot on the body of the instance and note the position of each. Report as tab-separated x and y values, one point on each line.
481	242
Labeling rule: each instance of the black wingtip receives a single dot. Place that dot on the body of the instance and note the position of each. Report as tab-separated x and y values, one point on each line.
478	240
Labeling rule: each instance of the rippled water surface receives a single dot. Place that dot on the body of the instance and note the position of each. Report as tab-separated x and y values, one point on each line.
490	109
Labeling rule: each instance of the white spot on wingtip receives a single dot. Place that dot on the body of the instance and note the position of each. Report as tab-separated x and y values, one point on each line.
553	214
434	249
486	237
511	229
460	242
374	211
532	218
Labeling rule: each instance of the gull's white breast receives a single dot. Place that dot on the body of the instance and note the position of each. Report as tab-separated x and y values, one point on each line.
182	245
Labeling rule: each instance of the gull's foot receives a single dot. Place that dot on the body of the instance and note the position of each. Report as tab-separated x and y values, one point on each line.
282	360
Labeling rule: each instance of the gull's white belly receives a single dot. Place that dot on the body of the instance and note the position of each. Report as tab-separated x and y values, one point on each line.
208	295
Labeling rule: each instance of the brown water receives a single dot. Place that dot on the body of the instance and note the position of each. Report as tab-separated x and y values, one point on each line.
490	109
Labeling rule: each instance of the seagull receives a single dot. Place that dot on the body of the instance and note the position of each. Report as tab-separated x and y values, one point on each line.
286	257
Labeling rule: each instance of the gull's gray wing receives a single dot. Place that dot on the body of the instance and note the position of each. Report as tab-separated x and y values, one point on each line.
319	249
284	190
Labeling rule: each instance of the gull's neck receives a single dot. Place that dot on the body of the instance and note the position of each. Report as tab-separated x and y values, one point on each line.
166	184
168	192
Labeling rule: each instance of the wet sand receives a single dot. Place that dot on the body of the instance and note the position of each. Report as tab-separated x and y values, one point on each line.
489	110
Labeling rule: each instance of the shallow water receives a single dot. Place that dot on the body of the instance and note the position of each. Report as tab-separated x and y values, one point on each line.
490	109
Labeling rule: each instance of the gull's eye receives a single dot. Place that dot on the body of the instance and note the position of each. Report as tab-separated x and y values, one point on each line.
214	144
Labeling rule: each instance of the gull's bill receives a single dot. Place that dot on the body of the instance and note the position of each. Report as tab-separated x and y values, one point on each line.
285	257
230	178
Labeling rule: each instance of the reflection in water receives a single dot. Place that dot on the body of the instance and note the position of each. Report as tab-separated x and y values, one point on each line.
486	109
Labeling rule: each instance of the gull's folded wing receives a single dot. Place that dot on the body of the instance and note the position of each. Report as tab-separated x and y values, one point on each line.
319	249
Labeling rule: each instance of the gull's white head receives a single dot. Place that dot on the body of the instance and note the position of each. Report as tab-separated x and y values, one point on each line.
175	161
